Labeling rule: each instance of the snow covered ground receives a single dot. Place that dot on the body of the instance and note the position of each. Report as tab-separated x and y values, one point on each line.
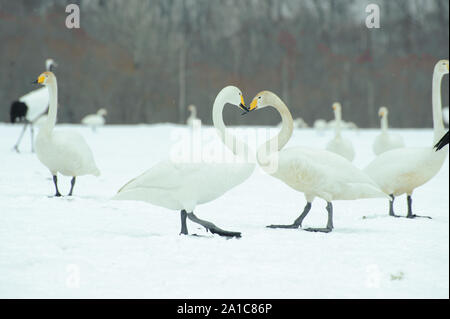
89	246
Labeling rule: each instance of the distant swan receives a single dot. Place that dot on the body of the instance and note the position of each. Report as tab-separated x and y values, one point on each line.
320	125
183	186
193	120
62	152
339	144
386	141
314	172
297	123
95	120
402	170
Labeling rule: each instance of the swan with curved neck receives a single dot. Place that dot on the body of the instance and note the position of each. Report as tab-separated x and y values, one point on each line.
401	171
386	141
314	172
339	144
183	186
62	152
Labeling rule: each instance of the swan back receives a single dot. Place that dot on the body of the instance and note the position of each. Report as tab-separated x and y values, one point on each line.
341	146
324	174
401	170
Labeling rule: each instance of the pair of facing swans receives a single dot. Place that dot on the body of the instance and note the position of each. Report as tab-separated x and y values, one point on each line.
314	172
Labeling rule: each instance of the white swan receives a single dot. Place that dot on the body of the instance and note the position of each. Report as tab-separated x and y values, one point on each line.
193	120
183	186
386	141
320	125
402	170
339	144
62	152
95	120
315	172
31	107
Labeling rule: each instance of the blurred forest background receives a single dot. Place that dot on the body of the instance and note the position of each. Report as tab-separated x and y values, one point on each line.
145	61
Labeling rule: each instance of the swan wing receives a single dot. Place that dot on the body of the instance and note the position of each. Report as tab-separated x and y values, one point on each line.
403	169
184	185
325	174
73	153
93	119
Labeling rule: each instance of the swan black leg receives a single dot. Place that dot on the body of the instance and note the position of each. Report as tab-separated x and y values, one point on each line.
72	184
410	213
211	227
298	222
391	207
16	146
329	227
55	181
184	230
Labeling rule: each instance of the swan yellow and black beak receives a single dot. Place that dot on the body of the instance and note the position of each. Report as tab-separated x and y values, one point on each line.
243	107
40	80
251	107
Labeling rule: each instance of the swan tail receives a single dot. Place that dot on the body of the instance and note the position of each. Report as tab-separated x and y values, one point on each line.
96	172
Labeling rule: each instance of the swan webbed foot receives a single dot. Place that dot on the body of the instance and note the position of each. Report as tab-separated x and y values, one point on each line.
16	148
213	228
319	230
329	227
410	213
394	215
224	233
298	222
412	216
292	226
58	194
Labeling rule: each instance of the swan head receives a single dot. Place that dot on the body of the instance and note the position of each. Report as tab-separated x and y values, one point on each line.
234	96
50	64
383	111
442	67
337	107
102	112
261	100
46	78
191	107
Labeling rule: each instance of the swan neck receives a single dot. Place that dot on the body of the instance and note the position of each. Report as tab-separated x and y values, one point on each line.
236	146
52	111
438	124
338	119
384	123
276	143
